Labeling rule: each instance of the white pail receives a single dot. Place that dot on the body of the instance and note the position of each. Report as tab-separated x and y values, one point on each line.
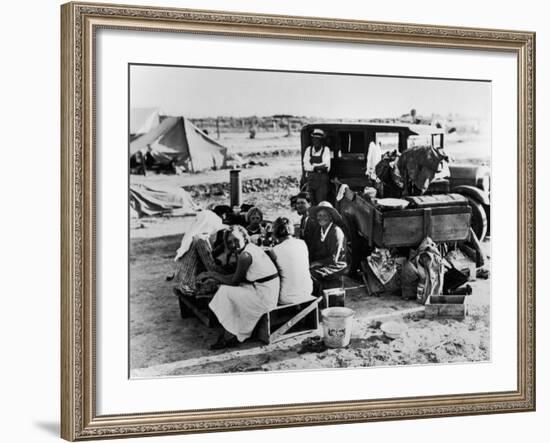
337	326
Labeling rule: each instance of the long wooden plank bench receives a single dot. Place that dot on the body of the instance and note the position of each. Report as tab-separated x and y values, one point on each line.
197	306
284	321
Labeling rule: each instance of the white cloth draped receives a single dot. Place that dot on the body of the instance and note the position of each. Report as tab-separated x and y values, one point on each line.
374	156
206	222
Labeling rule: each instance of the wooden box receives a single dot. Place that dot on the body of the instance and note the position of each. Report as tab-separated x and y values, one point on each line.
333	298
287	321
408	227
446	310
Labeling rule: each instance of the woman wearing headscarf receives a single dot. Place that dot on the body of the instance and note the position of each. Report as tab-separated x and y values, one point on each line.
201	250
244	296
328	251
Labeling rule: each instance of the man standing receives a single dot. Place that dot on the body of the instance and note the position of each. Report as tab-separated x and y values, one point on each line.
149	158
317	166
307	224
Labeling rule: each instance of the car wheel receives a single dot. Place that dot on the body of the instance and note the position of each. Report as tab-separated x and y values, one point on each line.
479	218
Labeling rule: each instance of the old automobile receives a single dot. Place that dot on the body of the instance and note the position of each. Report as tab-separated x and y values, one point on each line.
349	145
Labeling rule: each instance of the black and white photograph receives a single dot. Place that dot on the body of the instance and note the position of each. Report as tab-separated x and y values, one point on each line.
284	221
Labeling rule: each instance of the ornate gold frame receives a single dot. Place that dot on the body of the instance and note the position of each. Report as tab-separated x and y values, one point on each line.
79	420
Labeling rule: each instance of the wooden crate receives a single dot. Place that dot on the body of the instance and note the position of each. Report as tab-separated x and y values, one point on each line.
446	310
408	227
287	321
335	297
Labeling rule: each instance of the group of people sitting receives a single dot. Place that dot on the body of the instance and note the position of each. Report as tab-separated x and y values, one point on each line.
151	160
249	279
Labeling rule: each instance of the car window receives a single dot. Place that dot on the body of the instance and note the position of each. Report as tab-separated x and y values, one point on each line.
419	140
351	142
388	141
437	140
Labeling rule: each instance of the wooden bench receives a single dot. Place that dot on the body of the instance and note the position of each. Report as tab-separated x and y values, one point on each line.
197	306
286	321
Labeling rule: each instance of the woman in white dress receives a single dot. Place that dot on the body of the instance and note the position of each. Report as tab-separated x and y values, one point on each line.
246	295
292	260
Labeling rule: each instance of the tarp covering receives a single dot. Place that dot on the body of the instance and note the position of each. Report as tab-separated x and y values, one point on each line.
145	201
181	140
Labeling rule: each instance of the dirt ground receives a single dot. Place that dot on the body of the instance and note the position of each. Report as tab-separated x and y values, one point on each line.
164	344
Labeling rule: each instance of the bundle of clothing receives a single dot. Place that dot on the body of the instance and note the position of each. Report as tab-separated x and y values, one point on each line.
418	167
382	272
410	173
391	183
422	275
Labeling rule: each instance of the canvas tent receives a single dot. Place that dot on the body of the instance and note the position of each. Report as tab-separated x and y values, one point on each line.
181	140
142	120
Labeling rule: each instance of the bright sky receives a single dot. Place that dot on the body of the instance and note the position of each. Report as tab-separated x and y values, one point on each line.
206	92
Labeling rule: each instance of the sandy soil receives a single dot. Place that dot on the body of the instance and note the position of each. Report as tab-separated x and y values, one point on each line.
163	344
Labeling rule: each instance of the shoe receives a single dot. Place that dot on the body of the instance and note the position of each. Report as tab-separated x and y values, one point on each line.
223	343
232	342
220	344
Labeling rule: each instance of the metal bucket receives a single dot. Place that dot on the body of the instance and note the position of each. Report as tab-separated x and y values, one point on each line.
337	326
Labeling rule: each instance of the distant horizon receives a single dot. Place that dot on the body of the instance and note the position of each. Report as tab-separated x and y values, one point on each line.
385	117
216	92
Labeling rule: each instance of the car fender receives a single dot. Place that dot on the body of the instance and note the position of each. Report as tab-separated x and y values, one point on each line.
471	191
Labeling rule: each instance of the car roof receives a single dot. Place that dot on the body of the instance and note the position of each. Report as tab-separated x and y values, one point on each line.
408	128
